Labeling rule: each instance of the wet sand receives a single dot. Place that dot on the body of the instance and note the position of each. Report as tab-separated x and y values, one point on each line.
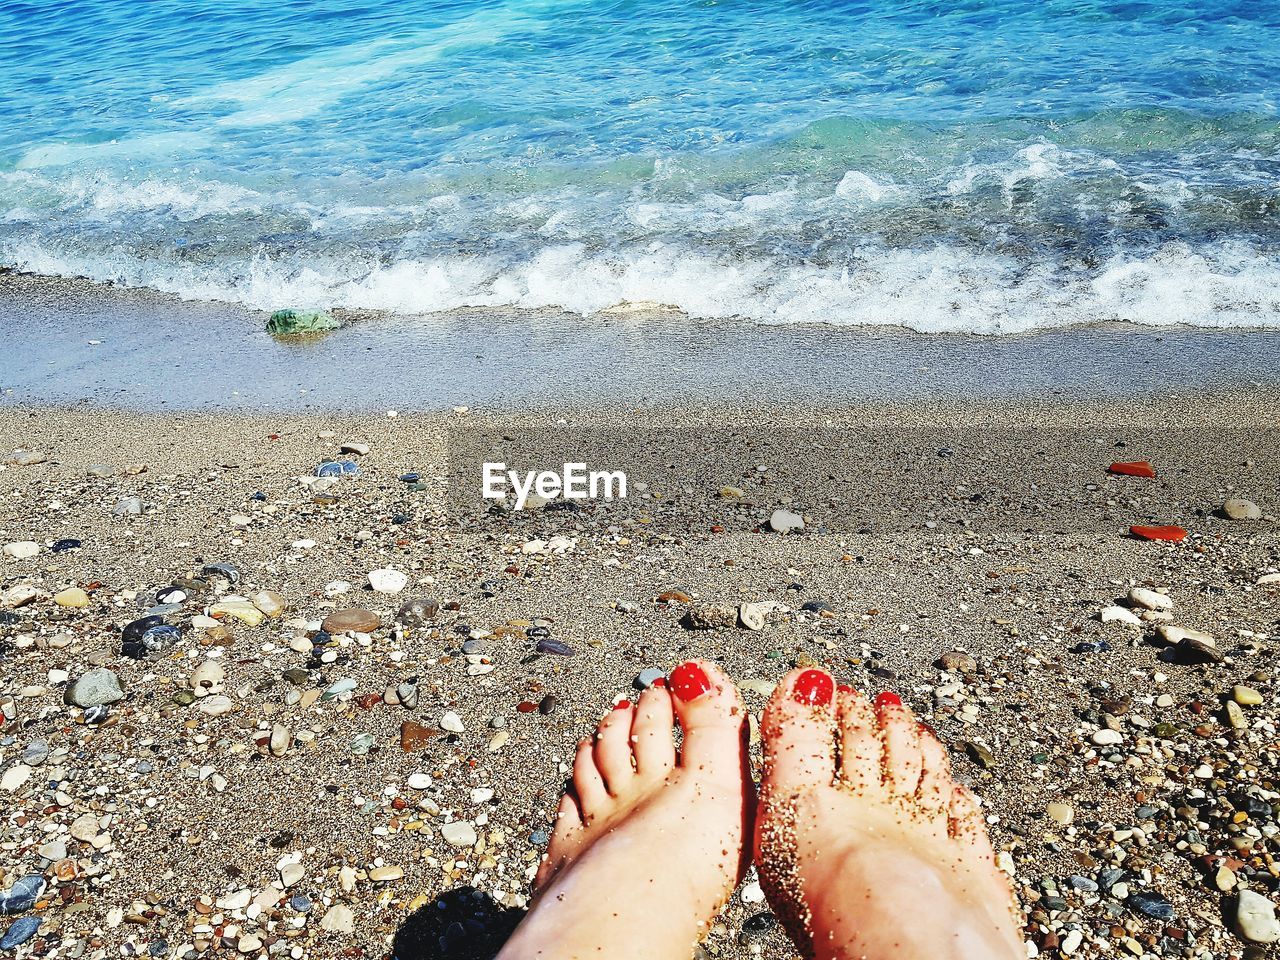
72	342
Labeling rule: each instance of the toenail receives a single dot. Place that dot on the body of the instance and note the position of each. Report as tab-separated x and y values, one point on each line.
844	688
622	705
888	699
813	687
925	728
689	681
660	682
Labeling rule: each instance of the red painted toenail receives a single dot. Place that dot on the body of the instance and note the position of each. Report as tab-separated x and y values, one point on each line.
888	699
844	688
622	705
661	682
813	687
925	728
689	682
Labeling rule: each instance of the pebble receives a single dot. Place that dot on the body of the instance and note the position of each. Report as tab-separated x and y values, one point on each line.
709	618
648	676
207	678
240	609
338	919
753	616
1151	905
1246	696
72	597
22	896
452	723
14	778
1060	812
1256	918
417	612
556	647
127	507
1192	651
387	580
1239	509
785	521
419	781
957	661
459	833
26	458
1114	614
414	736
385	874
94	688
1107	738
21	549
351	620
269	602
216	706
19	932
1149	599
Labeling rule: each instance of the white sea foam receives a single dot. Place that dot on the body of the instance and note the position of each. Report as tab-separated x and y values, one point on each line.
943	289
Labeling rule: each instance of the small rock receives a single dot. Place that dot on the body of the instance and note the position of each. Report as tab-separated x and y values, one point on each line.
648	676
709	618
280	741
94	688
1238	509
1246	696
452	723
352	620
1151	905
385	874
239	608
21	549
216	706
72	597
22	896
207	678
1173	635
19	932
957	661
269	602
416	613
1114	614
414	736
1192	651
785	521
1061	813
753	616
354	446
1149	599
14	778
1107	738
127	507
338	919
387	580
459	833
1256	918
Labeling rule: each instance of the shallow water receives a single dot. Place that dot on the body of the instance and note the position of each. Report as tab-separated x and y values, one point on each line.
962	166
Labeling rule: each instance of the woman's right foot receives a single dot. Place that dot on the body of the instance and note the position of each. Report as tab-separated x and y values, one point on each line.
866	846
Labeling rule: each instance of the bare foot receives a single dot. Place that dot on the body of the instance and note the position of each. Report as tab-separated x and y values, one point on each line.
867	848
647	846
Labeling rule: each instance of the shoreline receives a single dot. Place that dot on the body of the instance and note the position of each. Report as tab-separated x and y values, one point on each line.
76	343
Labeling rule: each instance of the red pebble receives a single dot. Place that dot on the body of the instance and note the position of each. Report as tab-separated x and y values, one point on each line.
1170	533
1138	468
527	706
368	701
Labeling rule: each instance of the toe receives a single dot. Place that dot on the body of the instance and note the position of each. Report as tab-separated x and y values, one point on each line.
965	822
565	838
651	733
934	793
798	730
860	749
588	785
613	748
712	717
900	735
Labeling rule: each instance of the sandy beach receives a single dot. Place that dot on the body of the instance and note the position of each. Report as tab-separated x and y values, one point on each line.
389	791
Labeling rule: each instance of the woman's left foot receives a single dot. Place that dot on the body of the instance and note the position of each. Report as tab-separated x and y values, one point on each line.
649	844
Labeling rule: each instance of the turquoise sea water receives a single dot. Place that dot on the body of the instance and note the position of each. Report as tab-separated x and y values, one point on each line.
972	166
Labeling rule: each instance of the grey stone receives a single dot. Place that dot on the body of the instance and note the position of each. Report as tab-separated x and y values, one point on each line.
95	688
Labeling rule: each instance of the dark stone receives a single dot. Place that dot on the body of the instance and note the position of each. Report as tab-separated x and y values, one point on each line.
19	932
550	645
62	546
228	570
22	896
1151	905
759	925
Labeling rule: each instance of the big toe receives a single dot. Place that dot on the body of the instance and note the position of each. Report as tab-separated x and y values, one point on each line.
710	712
798	730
